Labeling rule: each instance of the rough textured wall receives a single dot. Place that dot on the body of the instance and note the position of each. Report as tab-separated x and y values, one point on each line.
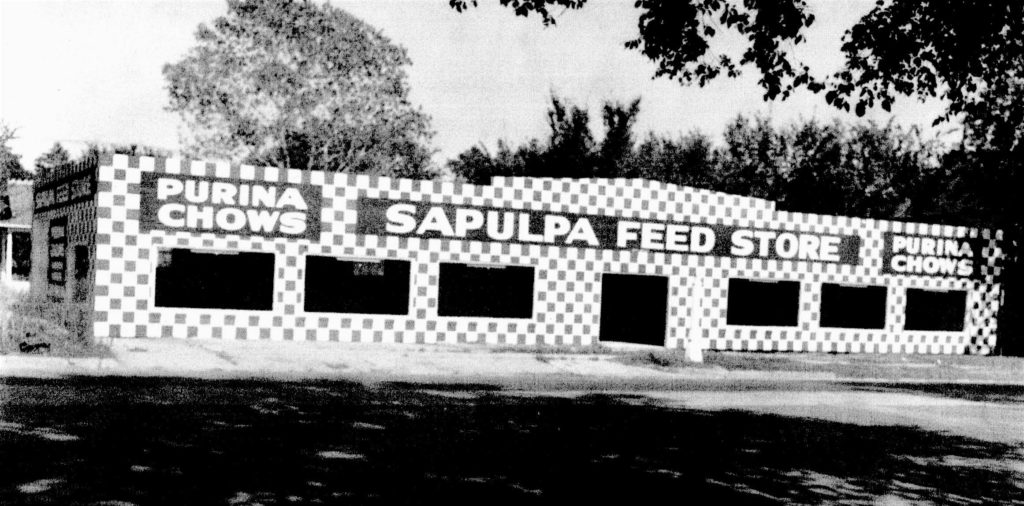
67	193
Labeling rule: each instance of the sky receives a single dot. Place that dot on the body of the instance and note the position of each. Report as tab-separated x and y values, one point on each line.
78	71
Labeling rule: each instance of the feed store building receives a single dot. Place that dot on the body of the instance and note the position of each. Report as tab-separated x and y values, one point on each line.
182	249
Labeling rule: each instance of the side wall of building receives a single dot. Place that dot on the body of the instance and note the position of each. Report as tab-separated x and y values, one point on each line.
65	204
567	287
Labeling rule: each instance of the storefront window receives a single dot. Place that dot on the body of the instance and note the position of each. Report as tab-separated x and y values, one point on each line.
935	309
21	255
490	291
769	303
214	279
853	307
334	285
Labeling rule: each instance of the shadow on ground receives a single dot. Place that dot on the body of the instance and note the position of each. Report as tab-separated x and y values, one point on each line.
176	441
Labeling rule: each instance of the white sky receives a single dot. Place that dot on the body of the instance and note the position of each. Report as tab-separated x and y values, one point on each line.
87	70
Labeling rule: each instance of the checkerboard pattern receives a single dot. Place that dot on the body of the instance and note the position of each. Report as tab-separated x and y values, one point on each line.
567	280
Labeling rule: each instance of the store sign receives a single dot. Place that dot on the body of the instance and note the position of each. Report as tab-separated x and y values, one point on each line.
57	245
447	221
66	191
932	256
199	204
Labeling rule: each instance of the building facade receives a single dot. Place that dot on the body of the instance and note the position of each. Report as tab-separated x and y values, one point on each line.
185	249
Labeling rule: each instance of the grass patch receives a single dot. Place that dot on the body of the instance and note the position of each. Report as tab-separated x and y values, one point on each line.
65	327
764	361
664	358
877	366
850	366
550	349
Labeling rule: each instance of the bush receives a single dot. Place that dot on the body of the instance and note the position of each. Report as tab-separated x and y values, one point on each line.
31	319
663	358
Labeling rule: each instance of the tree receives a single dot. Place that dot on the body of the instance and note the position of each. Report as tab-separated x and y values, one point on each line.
677	36
51	159
571	144
96	149
968	52
617	146
10	163
753	161
570	149
689	160
10	168
299	84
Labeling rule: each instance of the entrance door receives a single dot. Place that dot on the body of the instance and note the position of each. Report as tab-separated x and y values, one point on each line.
633	308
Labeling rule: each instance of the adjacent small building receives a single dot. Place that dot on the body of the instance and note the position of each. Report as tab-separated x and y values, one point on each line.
197	250
16	237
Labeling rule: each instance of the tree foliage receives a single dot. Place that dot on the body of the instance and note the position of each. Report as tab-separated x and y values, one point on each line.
50	160
10	162
679	35
10	168
570	149
299	84
865	169
97	149
967	52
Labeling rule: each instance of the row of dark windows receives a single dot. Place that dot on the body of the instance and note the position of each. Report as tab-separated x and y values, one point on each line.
244	280
776	303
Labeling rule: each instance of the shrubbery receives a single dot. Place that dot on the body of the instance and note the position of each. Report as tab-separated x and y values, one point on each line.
29	319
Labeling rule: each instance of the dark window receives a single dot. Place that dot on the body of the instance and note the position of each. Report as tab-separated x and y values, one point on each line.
345	286
935	310
774	303
474	290
853	307
21	253
215	280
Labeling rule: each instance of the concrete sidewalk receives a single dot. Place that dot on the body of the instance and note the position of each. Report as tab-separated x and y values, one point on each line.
374	362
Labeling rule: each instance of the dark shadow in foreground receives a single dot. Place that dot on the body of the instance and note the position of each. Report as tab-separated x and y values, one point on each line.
176	441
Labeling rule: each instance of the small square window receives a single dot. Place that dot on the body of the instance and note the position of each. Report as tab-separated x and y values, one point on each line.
215	280
488	291
334	285
853	307
935	310
765	303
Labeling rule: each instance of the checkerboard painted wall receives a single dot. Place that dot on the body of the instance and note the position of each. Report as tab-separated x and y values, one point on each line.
567	280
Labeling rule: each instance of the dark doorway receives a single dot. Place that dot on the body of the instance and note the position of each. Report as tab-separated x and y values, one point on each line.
82	263
633	308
